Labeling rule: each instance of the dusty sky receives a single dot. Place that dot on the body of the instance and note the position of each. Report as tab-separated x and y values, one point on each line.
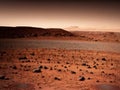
60	13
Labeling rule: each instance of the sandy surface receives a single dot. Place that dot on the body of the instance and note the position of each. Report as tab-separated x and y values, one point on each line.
58	69
61	44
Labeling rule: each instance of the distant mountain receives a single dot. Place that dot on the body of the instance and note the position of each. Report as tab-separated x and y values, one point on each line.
72	28
22	32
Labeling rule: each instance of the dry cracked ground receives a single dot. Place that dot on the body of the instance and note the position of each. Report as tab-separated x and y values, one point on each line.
59	69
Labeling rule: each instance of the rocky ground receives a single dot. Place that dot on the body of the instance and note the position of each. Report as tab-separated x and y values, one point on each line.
58	69
97	36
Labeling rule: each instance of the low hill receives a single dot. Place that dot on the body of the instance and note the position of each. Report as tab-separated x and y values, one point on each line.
22	32
97	36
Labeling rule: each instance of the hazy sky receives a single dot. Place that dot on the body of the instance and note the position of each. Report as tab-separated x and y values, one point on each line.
60	14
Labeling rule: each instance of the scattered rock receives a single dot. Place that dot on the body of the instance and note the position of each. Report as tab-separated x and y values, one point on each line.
73	72
40	67
23	57
95	67
84	64
65	66
51	68
58	62
80	70
43	77
32	54
45	67
56	78
102	63
48	59
2	77
103	59
14	67
97	81
89	66
81	78
89	78
67	62
111	81
38	70
102	72
91	72
111	64
59	70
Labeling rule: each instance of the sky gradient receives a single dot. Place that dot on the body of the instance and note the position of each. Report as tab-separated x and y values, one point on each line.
60	14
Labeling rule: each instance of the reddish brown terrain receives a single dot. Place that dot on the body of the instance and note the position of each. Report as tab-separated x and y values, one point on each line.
56	33
57	69
27	32
97	36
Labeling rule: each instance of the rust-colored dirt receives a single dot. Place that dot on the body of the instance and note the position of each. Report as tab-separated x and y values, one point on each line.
58	69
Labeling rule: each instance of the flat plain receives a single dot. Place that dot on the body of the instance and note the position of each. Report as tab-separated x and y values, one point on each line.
60	63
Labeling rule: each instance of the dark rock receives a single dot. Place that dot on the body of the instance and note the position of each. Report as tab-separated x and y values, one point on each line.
65	66
32	54
43	77
23	57
58	62
103	59
56	78
81	78
67	62
14	67
102	72
80	70
89	78
2	77
102	63
51	68
73	72
40	67
89	66
91	72
111	64
84	64
45	67
48	59
59	70
95	67
37	70
111	81
97	81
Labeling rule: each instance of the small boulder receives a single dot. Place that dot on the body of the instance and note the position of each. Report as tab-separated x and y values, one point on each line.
37	70
89	66
45	67
89	78
91	73
22	57
2	77
56	78
59	70
14	67
103	59
73	72
40	67
81	78
95	67
84	64
97	81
